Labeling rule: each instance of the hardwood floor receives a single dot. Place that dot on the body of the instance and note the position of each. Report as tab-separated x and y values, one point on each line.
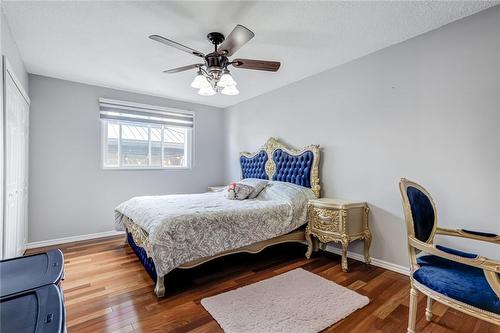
107	290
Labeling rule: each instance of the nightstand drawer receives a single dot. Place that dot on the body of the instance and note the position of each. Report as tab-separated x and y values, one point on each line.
324	219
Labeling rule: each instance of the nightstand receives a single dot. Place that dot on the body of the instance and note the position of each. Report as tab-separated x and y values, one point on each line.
216	188
333	220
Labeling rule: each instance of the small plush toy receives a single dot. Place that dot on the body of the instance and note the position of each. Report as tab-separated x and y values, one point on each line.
231	191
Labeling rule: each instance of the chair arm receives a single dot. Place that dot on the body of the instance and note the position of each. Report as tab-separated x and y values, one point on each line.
492	238
479	262
494	281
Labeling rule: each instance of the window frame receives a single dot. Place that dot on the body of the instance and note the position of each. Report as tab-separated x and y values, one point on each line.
188	147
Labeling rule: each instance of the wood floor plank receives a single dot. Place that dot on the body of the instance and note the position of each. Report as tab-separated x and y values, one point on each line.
107	290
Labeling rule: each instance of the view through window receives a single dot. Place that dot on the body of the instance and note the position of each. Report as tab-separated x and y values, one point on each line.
134	139
145	145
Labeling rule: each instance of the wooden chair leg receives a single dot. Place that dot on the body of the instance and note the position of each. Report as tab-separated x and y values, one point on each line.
412	316
428	309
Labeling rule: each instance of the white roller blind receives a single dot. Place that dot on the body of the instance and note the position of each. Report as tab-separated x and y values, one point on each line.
134	112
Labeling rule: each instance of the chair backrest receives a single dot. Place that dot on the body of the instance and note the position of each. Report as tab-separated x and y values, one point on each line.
419	210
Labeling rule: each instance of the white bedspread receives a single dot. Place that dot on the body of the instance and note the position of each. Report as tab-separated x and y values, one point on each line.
183	228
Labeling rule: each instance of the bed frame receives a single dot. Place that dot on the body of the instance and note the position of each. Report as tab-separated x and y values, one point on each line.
273	161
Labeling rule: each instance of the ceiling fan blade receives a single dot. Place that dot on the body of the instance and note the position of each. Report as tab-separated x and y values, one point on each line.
260	65
181	69
181	47
236	39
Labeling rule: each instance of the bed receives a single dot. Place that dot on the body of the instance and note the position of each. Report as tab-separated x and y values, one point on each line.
183	231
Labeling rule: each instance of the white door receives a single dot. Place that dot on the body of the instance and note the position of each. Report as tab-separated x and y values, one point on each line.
16	131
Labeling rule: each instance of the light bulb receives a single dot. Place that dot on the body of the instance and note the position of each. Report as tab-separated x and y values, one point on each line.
206	91
200	82
231	90
226	80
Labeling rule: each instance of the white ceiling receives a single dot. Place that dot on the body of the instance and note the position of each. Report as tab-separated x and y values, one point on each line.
105	43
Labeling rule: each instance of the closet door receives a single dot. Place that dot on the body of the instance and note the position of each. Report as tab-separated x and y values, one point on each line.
16	130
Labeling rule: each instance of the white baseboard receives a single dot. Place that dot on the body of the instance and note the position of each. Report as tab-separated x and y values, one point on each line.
70	239
375	262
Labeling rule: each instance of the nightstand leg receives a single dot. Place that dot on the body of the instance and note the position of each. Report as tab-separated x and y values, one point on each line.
368	241
344	255
309	245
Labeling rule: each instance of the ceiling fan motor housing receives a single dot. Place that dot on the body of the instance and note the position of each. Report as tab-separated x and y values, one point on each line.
215	62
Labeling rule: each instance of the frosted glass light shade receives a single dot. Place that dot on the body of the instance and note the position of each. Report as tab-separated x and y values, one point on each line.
226	80
231	90
206	91
200	82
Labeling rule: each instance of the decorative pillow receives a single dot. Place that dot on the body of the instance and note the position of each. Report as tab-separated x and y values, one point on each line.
257	184
238	191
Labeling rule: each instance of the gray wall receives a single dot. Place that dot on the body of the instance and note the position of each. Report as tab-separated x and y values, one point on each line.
9	49
427	109
69	193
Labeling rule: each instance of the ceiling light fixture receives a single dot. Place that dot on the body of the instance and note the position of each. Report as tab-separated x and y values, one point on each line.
206	91
226	80
210	83
200	81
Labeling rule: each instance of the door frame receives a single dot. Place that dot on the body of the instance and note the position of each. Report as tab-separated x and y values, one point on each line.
7	70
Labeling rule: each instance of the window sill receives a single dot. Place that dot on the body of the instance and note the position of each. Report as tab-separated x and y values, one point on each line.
144	168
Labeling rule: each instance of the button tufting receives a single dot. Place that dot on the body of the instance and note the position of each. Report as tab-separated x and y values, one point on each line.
254	167
293	169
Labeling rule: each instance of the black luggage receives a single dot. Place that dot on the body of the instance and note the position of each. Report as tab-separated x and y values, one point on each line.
32	311
30	272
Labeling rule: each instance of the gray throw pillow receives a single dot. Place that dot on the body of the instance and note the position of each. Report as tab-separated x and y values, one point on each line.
257	184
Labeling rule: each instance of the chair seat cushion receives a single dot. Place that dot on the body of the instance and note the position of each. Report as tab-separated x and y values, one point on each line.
457	281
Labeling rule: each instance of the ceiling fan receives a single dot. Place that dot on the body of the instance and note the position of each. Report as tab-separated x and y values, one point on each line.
213	74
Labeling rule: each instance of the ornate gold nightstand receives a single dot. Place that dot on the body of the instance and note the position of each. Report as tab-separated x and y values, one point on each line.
332	220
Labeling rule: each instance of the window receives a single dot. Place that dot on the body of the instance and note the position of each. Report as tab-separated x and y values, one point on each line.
137	136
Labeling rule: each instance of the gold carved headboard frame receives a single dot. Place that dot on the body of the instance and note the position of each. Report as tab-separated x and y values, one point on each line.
273	144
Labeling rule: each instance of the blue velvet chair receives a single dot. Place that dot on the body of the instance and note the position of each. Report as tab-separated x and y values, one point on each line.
464	281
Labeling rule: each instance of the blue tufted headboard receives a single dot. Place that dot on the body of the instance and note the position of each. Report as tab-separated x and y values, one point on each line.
276	161
254	167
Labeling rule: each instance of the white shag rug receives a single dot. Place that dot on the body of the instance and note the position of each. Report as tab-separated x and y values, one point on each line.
296	301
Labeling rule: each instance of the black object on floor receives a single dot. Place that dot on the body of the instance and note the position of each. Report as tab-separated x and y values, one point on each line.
30	272
31	299
36	310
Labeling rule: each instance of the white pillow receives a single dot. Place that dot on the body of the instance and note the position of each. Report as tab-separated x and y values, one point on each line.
238	191
257	184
